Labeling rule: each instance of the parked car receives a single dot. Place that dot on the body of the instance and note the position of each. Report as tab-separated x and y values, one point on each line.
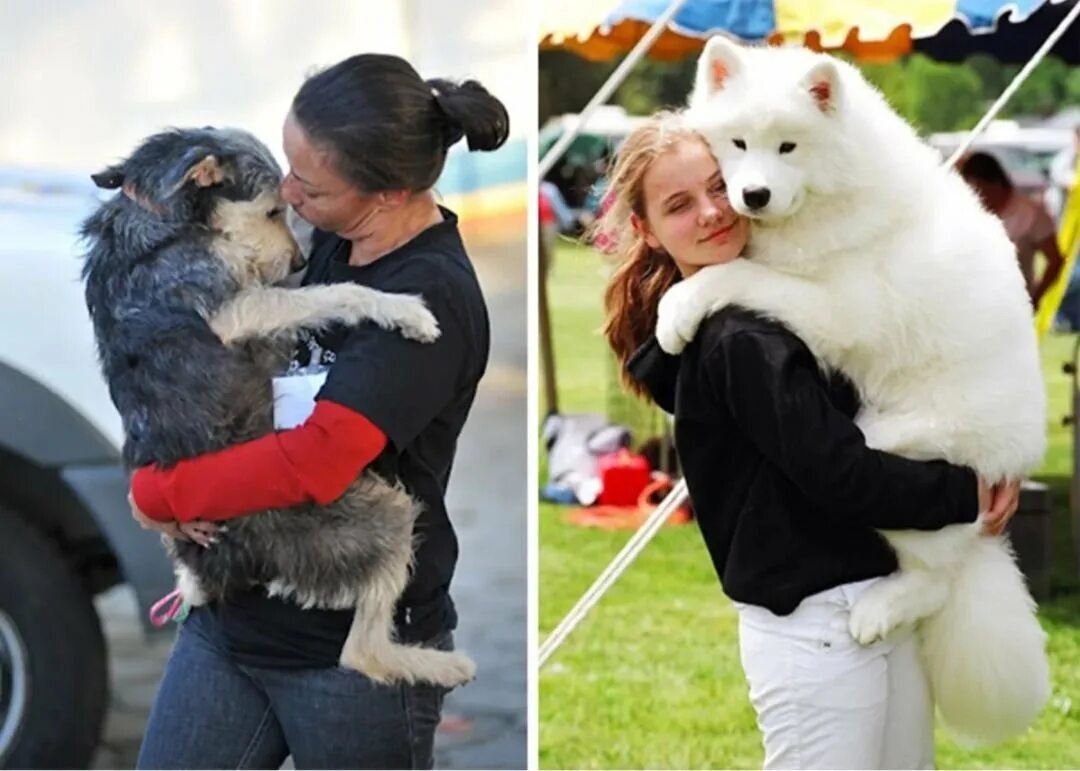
66	531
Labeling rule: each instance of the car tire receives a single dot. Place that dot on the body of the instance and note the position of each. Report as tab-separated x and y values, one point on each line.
53	667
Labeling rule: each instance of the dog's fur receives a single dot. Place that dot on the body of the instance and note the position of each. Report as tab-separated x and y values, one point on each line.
891	271
190	331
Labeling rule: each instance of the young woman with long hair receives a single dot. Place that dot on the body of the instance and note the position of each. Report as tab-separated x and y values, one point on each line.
786	493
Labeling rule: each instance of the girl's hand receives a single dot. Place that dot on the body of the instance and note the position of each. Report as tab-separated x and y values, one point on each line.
997	505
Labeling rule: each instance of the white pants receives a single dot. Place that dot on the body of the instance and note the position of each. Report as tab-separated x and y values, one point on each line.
824	701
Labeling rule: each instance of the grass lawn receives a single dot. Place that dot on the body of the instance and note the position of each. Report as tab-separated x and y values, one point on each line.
652	678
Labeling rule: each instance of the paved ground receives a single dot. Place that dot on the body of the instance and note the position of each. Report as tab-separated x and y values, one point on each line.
485	722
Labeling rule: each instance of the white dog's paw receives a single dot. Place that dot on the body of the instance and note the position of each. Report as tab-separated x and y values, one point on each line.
872	618
410	316
677	318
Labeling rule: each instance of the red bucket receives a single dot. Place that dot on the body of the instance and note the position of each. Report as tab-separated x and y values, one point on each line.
623	475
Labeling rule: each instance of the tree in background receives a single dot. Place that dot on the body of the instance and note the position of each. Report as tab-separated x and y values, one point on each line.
931	95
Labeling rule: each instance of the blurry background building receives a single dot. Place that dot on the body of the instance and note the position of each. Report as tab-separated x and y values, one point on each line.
84	81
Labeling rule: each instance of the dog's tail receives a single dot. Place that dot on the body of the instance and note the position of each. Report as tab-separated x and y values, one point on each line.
371	649
985	651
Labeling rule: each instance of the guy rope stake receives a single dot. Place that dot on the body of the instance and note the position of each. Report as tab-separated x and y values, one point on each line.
676	498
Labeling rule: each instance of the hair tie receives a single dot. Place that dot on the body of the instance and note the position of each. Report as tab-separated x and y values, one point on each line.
452	129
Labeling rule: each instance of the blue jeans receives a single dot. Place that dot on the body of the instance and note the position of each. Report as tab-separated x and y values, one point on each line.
213	713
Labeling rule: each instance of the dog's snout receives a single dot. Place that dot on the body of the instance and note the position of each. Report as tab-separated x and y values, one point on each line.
756	197
299	262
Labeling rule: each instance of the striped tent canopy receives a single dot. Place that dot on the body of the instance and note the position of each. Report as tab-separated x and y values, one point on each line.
871	30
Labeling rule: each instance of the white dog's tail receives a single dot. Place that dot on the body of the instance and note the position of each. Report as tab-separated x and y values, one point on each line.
985	651
371	649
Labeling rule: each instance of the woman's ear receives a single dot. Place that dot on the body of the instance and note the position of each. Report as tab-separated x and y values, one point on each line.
393	198
642	229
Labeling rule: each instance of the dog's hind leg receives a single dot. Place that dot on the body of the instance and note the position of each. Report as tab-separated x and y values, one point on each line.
273	311
188	584
371	649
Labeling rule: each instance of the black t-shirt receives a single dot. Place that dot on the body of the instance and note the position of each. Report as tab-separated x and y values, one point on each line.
419	395
785	491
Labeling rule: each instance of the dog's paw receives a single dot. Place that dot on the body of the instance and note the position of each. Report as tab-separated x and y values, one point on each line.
677	319
872	618
412	318
458	670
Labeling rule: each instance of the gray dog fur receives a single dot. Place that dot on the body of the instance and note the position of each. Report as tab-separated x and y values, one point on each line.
182	259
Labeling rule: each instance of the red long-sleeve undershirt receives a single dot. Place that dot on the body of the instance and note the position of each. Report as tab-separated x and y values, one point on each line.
314	462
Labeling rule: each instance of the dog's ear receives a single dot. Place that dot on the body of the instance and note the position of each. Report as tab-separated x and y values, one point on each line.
719	61
110	178
200	167
823	84
206	172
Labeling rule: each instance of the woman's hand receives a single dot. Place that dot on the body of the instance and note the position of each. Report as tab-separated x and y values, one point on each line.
171	529
201	532
997	505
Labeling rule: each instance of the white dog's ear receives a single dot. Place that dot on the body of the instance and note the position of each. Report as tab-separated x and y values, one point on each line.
823	83
719	61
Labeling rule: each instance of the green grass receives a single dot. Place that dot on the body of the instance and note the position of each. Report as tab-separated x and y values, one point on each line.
652	678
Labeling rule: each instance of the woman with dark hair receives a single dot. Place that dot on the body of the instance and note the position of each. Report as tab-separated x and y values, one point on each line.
255	679
1029	225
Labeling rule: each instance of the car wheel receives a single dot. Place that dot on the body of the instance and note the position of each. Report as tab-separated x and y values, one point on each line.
53	668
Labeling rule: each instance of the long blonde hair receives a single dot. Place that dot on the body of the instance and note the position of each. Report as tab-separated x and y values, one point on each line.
643	274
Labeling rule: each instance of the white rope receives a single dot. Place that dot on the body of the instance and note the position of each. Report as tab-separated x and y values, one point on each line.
614	81
611	574
1021	76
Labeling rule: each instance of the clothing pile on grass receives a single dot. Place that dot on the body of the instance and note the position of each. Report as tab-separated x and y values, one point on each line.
592	468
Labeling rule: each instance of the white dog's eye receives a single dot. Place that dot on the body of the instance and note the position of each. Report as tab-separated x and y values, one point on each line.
276	212
739	144
786	147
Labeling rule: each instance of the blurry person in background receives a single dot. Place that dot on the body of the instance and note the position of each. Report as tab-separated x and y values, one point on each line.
1029	225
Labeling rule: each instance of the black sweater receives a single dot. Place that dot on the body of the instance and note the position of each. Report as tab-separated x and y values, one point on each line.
785	490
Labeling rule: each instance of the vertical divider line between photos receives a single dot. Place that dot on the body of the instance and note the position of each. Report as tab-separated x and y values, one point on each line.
531	75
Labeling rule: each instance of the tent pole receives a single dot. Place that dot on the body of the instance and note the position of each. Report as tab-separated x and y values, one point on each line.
614	81
547	352
1018	81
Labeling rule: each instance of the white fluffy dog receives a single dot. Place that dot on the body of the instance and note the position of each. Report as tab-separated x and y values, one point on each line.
891	271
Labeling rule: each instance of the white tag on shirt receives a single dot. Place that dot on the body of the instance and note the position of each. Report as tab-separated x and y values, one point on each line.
294	398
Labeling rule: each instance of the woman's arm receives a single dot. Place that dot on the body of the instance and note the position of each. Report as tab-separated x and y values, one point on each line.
314	462
1055	262
776	393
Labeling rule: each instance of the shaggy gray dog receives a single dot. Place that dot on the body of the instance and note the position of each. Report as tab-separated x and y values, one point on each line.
190	331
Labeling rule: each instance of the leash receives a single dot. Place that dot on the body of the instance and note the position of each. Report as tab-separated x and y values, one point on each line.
171	607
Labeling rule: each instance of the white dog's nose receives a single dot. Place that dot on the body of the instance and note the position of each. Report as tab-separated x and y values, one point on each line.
756	197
